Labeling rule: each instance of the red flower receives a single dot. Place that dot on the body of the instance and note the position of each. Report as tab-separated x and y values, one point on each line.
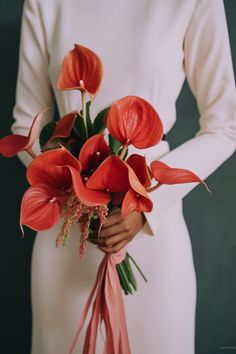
12	144
82	70
93	152
136	197
114	175
133	121
52	176
40	208
110	176
167	175
60	169
141	169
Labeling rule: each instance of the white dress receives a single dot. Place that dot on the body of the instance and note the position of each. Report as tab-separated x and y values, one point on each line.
147	49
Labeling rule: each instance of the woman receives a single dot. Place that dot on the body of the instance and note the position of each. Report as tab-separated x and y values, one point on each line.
147	49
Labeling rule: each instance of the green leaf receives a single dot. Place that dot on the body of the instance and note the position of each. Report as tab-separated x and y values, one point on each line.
46	133
79	128
114	144
99	123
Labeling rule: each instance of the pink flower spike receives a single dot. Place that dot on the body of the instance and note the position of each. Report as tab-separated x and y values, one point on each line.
12	144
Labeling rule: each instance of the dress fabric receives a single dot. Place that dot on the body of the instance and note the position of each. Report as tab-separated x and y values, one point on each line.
147	48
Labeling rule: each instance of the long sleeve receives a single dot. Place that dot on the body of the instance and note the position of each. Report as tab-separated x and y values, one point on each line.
33	92
209	71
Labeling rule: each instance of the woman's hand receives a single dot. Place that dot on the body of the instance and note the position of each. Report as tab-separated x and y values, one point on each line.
118	231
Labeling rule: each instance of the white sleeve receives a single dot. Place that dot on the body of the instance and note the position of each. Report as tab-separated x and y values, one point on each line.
33	92
209	71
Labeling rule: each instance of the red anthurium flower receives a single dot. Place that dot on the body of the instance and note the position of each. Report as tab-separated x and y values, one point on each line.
133	121
141	169
136	197
50	168
93	152
59	169
87	196
110	176
167	175
63	127
40	208
134	201
12	144
82	70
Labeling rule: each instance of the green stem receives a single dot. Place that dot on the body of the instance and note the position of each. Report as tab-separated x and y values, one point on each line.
129	273
143	276
84	113
123	151
31	153
122	279
153	188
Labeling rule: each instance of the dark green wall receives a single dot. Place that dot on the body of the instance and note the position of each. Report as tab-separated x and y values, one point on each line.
211	219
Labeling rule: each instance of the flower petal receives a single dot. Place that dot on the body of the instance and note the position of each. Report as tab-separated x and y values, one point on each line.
40	208
93	152
50	168
81	69
141	169
168	175
63	127
133	121
111	175
10	145
134	201
35	129
87	196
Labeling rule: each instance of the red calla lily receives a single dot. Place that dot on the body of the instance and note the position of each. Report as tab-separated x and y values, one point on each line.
12	144
110	176
93	152
165	174
82	70
40	208
133	121
141	169
63	127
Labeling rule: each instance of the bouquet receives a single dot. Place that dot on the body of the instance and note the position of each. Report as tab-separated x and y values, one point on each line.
84	173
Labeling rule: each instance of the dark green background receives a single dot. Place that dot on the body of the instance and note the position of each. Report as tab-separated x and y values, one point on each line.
211	218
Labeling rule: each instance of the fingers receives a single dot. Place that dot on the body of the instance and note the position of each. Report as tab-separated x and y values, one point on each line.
110	241
113	219
114	249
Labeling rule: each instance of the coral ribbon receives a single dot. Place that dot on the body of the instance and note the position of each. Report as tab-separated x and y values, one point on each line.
108	306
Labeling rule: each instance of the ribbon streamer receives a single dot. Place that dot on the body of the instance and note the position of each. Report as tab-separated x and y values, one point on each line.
108	306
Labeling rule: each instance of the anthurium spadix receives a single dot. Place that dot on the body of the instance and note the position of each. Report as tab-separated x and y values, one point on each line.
81	70
12	144
133	121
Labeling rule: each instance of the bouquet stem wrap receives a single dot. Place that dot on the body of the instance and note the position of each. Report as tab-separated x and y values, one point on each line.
108	306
